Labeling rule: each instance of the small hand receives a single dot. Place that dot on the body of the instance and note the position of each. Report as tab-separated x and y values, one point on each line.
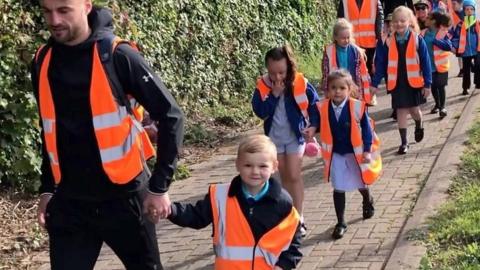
157	206
277	88
309	133
367	157
426	92
42	207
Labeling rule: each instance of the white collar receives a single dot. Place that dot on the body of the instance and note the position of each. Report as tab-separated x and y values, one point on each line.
341	104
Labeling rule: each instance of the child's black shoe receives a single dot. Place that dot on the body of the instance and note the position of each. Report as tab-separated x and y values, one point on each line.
339	231
434	110
419	133
460	73
368	209
465	92
303	229
443	113
403	149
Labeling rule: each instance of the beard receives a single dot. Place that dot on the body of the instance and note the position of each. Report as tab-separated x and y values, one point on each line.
64	34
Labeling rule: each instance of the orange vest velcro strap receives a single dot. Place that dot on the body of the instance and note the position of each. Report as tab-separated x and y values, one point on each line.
363	21
234	244
415	78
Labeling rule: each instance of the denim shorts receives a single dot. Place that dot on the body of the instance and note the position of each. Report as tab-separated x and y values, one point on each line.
290	148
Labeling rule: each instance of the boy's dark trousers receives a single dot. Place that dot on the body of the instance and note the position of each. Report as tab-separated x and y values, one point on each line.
77	230
370	53
469	67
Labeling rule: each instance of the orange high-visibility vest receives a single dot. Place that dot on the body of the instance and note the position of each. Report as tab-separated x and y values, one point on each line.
370	171
366	96
233	241
299	91
363	21
441	57
463	37
122	142
415	78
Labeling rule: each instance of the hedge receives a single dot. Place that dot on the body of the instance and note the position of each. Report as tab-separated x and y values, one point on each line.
208	52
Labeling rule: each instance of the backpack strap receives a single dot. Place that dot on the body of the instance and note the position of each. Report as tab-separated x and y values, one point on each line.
39	56
106	48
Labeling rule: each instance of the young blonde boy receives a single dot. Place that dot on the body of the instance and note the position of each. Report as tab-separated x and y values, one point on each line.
255	225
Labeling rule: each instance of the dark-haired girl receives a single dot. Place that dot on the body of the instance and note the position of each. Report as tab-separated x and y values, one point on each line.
439	47
285	100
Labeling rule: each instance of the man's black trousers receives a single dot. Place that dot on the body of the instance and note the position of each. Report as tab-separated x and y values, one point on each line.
77	229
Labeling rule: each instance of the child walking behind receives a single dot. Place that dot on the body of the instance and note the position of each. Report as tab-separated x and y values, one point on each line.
286	102
439	47
403	59
466	39
255	225
343	53
349	146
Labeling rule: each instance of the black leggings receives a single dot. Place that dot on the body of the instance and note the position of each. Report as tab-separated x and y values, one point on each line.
439	81
370	52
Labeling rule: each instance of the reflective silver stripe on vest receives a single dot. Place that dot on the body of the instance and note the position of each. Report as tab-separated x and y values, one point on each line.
364	34
411	61
331	56
48	125
365	21
392	77
52	158
413	74
221	194
112	119
301	98
326	147
346	14
392	63
117	152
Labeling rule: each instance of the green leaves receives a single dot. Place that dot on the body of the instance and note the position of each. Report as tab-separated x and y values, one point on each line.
207	52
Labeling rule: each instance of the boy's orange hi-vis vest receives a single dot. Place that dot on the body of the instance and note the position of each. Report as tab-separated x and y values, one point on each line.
233	241
463	37
441	57
370	171
366	96
122	142
363	21
415	78
299	92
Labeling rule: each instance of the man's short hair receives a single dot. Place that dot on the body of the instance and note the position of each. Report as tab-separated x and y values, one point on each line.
257	144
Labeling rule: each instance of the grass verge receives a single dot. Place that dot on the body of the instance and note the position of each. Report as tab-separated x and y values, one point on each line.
453	238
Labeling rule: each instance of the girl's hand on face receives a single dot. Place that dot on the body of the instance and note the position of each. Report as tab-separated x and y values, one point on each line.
367	157
277	88
309	133
426	92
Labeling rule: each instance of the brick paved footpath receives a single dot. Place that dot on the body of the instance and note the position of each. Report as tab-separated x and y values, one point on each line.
367	244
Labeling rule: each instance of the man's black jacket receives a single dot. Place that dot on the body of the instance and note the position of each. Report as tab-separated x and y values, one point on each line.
69	74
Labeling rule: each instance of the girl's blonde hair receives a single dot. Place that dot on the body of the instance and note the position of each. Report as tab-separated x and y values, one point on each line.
340	25
343	24
413	20
343	74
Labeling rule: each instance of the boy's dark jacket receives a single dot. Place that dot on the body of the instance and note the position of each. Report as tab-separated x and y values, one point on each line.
267	213
70	70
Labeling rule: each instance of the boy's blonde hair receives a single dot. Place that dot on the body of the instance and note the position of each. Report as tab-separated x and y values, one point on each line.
257	144
413	20
345	75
